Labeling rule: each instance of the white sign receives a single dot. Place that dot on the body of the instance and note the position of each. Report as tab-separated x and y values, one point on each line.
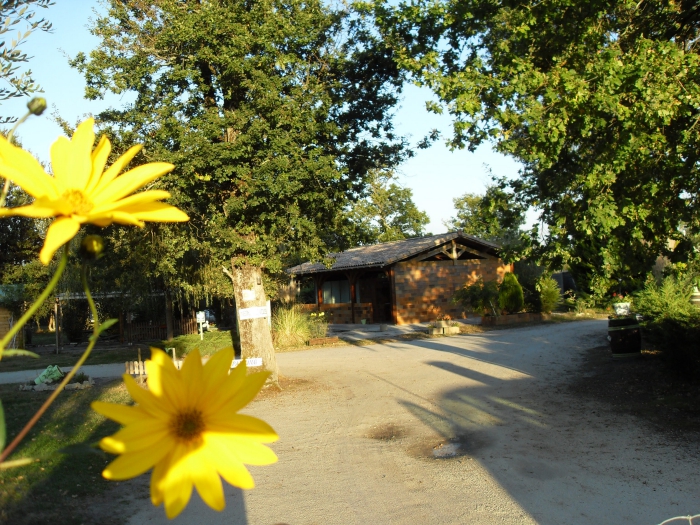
249	295
255	312
251	361
200	317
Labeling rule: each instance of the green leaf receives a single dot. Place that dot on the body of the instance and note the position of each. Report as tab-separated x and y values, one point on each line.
3	432
106	325
16	463
15	352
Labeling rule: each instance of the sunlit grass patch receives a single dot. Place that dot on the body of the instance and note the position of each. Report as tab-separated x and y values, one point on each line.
50	489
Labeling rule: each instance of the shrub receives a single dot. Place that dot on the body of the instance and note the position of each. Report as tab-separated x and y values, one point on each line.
318	324
510	294
549	292
529	274
672	322
478	297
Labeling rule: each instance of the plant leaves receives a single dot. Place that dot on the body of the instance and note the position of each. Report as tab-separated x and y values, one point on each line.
16	352
3	432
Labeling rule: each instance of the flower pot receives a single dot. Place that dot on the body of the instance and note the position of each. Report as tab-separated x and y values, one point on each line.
625	337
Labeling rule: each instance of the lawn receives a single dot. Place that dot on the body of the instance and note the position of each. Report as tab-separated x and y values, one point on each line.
54	488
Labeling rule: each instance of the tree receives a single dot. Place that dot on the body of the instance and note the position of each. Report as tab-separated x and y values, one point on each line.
13	13
494	216
387	213
600	101
273	113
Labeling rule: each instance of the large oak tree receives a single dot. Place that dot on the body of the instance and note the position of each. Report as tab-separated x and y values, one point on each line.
272	111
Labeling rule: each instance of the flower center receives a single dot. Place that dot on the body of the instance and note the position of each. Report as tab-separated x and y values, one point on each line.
187	426
78	202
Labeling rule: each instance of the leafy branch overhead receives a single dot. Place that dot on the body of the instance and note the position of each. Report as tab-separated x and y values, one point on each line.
17	22
599	101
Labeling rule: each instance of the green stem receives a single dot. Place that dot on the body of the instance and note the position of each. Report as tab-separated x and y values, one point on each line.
35	306
93	340
10	135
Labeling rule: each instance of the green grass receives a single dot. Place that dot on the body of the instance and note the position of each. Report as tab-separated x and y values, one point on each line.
212	343
51	489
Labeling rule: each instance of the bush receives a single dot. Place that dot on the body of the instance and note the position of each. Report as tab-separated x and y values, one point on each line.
550	294
510	294
672	322
290	327
529	274
478	297
318	324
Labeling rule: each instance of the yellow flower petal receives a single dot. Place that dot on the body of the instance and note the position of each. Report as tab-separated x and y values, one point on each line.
207	481
159	212
177	482
131	181
38	211
236	395
245	449
241	425
229	466
71	160
116	168
137	436
164	380
24	170
159	472
215	373
146	400
119	413
59	233
131	203
192	375
134	464
99	160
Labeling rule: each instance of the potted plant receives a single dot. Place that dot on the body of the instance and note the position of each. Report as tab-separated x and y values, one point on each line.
621	304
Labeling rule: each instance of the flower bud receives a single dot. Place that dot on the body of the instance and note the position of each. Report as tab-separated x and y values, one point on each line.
37	105
92	248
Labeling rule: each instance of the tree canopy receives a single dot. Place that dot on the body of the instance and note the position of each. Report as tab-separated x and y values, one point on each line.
492	216
387	213
599	100
273	113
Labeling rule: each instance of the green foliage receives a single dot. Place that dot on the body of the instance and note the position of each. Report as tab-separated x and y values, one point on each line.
318	324
17	15
387	213
550	294
672	322
212	343
510	294
480	296
273	114
494	216
598	101
290	327
528	274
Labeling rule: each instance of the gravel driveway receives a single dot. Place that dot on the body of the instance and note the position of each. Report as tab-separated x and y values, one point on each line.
459	430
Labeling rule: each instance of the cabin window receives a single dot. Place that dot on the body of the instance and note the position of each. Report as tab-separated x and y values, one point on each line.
338	292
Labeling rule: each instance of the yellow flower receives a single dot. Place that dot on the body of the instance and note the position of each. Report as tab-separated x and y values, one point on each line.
186	427
81	191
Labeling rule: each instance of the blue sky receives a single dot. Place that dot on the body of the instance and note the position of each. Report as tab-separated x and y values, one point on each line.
435	175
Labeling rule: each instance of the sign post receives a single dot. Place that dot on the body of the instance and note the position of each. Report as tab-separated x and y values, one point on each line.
200	321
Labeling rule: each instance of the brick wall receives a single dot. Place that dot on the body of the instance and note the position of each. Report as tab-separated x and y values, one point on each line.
425	289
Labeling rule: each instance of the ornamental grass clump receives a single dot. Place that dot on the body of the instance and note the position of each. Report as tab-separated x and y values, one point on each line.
510	294
290	326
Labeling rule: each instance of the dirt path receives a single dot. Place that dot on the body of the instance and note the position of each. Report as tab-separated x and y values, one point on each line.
361	428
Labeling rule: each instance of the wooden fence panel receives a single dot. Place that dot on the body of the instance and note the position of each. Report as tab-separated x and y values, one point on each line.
134	332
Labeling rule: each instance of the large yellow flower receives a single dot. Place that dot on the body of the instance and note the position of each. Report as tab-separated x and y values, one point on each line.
186	427
81	191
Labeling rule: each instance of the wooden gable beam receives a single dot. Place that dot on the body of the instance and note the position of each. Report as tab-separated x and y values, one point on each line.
453	251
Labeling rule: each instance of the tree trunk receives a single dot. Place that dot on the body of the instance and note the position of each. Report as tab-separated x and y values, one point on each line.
168	316
256	339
